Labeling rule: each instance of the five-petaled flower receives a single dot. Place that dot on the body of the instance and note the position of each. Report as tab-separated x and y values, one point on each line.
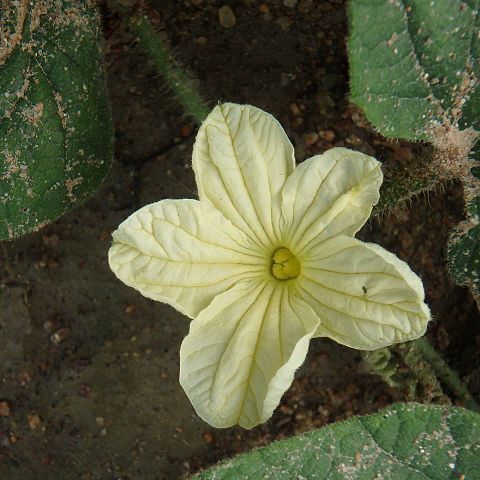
265	261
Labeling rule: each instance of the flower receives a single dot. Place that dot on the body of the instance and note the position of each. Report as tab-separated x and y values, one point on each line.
265	261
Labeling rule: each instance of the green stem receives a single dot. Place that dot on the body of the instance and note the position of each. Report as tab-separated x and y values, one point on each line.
426	374
445	374
183	87
403	184
428	385
403	367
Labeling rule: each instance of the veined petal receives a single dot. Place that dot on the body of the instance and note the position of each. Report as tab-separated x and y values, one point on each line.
327	195
242	352
365	297
182	252
242	158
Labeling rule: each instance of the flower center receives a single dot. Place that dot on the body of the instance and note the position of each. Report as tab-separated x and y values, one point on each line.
285	265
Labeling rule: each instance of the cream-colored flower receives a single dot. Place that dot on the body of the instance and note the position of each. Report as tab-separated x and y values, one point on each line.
264	261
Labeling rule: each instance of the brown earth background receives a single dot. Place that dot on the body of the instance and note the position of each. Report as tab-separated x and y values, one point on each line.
88	367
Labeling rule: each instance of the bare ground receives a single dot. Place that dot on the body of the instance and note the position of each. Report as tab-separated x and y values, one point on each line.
88	367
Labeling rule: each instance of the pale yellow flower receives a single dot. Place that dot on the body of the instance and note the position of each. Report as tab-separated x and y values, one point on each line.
264	261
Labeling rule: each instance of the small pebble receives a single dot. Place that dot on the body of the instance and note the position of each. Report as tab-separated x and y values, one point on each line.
185	131
49	325
60	335
130	308
50	240
4	409
295	110
85	390
311	138
329	135
34	421
285	409
290	3
208	437
52	263
226	17
201	41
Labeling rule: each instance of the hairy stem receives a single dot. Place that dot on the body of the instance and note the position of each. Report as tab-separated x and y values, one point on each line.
445	374
419	372
403	367
181	84
401	185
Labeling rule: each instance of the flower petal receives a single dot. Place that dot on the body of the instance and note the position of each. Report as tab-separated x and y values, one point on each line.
242	352
365	297
182	252
327	195
242	158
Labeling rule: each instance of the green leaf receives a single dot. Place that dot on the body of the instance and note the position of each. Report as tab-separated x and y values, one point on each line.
404	441
414	62
55	124
464	250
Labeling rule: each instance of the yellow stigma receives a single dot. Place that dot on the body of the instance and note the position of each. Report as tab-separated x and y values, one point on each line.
285	265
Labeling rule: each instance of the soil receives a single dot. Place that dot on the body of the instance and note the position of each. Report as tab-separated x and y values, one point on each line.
88	367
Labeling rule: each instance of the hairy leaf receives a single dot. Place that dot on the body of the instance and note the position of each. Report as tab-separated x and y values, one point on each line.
55	122
404	441
464	250
415	62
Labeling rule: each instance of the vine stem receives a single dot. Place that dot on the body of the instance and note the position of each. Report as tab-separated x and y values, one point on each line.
174	75
401	186
445	374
